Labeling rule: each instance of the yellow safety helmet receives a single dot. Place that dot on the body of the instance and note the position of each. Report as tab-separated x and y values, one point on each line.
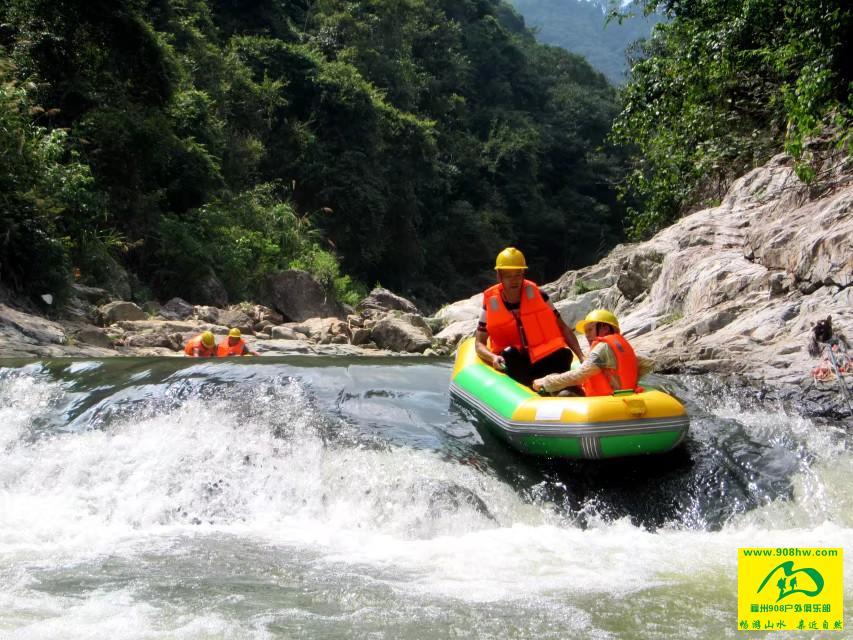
510	259
207	339
598	315
234	333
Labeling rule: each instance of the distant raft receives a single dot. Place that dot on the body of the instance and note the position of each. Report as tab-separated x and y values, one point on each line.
624	424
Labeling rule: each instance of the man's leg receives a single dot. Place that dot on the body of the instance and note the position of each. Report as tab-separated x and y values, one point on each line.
517	365
558	362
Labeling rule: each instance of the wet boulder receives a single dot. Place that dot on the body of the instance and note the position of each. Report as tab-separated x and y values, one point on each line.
468	309
449	338
324	330
234	317
39	329
284	332
382	299
262	315
209	290
176	309
118	311
402	334
92	295
94	336
298	296
164	340
207	313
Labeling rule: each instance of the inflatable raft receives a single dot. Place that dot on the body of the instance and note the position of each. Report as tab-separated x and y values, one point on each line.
624	424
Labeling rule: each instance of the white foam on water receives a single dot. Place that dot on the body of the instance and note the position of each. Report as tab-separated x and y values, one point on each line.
113	614
24	398
273	471
518	561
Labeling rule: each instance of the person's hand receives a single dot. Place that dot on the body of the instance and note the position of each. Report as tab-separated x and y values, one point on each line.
537	385
499	363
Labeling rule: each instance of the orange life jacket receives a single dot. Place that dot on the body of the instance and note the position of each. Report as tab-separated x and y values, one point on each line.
626	368
542	335
203	351
224	349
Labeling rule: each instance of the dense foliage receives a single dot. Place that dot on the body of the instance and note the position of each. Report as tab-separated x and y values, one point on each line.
401	141
585	27
722	86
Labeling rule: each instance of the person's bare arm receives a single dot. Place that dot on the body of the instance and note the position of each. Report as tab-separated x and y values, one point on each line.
481	346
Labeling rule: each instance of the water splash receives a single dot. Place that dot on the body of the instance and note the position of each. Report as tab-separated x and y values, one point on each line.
279	500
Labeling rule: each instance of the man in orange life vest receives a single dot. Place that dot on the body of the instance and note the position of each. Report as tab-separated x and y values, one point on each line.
611	365
202	346
520	331
234	345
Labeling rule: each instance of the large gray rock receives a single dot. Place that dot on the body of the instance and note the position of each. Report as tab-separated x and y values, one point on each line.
261	314
298	296
92	295
638	273
399	334
236	318
94	336
78	310
323	330
573	309
814	243
384	300
176	309
163	340
283	332
210	290
206	313
446	340
360	335
118	311
37	328
468	309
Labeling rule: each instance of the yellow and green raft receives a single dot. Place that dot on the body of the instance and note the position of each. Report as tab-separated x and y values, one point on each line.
624	424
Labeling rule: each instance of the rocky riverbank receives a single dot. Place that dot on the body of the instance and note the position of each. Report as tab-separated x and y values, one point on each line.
732	290
95	325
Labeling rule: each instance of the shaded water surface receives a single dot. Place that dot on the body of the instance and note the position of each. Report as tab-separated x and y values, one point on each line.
327	498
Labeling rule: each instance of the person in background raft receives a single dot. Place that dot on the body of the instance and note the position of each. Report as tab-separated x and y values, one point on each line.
234	345
202	346
611	365
520	332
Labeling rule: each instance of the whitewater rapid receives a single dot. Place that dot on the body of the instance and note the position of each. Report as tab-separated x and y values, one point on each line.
349	499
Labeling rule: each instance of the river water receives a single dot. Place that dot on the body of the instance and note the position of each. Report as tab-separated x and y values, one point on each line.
349	498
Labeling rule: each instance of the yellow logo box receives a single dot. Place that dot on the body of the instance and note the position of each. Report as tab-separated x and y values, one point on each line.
790	588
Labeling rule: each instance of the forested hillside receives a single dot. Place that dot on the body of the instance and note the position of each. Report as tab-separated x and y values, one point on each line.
583	27
723	86
399	141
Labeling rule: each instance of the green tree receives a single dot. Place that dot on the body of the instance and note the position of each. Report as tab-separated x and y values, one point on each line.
720	87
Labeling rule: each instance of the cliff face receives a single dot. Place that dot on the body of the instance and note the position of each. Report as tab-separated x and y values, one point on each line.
734	289
737	288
